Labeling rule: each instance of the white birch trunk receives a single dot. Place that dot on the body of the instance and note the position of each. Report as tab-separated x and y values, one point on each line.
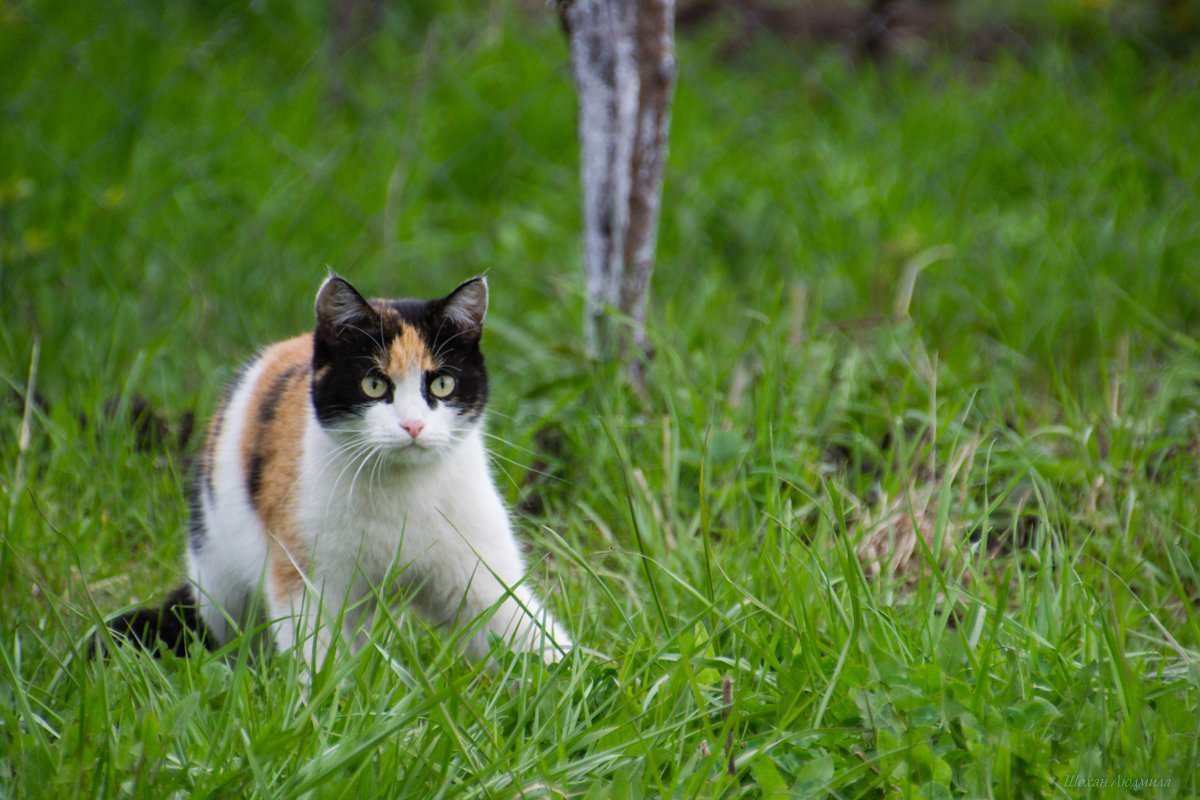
623	59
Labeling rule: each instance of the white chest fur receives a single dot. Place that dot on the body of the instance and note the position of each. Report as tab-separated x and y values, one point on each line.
433	520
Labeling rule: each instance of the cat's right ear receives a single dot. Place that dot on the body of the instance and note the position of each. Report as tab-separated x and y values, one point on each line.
341	307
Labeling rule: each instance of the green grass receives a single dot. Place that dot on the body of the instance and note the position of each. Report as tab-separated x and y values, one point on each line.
174	183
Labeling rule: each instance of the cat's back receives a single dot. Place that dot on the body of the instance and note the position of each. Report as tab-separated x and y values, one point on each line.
241	494
253	450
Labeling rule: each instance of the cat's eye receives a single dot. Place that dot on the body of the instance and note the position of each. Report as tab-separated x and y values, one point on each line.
441	386
374	386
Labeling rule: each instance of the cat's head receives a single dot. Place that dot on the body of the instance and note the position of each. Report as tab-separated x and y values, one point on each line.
405	377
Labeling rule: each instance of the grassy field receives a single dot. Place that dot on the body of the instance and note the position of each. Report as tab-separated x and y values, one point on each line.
910	506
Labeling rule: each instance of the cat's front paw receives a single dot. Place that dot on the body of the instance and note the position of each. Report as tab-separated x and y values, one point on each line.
546	638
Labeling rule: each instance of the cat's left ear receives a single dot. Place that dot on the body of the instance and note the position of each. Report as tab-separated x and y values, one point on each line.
466	305
340	306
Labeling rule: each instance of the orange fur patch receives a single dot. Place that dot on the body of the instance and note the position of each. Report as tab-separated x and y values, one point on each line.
408	351
287	581
271	450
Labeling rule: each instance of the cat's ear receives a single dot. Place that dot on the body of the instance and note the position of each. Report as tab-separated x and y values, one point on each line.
466	305
340	306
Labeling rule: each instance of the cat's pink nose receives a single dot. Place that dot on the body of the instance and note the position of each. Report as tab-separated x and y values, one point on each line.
413	426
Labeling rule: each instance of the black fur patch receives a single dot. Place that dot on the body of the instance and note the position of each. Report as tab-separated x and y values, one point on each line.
174	626
274	395
201	478
254	471
338	370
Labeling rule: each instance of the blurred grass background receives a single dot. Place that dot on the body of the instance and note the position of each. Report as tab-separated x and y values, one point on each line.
950	286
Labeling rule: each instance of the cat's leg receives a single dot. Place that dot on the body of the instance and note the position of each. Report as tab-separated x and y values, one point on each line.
293	624
463	582
521	621
297	617
311	614
220	596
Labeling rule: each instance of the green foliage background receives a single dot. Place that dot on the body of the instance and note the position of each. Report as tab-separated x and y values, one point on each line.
176	179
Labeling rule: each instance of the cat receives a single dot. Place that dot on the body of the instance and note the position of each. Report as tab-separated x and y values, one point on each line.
347	464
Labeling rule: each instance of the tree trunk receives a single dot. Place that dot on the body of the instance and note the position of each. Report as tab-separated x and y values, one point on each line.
623	60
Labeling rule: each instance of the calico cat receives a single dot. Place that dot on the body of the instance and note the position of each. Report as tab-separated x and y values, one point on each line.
347	464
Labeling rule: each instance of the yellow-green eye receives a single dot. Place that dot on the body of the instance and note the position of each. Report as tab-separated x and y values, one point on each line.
374	386
441	386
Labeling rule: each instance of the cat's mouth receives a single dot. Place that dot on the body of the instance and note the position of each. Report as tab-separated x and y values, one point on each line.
406	450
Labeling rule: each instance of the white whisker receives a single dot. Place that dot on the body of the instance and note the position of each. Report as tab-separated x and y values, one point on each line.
364	451
527	468
443	344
